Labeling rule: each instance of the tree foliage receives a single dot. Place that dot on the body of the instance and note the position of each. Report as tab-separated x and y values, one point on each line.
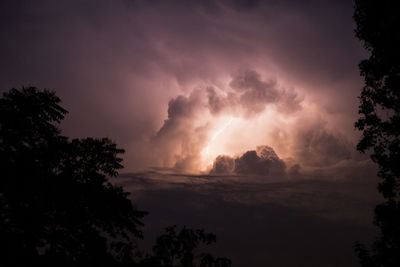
378	25
178	249
57	206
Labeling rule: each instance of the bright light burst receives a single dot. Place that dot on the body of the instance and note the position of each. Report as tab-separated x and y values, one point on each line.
206	151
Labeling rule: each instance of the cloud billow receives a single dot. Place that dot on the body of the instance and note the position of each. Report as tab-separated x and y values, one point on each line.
179	141
250	93
262	161
116	64
184	134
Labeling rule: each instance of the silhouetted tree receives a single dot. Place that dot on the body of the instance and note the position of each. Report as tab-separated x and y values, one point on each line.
57	207
378	26
178	249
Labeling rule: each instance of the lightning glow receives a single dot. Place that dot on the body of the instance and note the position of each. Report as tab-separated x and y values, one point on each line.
205	152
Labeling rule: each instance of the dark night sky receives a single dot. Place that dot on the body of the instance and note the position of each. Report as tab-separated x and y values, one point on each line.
177	83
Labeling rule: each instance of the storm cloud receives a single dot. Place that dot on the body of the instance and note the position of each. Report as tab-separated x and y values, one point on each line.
178	142
184	135
251	94
133	70
263	161
194	90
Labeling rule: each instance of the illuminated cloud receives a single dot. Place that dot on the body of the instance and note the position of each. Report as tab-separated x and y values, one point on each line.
223	165
250	94
163	77
249	110
315	145
254	93
262	161
195	121
179	141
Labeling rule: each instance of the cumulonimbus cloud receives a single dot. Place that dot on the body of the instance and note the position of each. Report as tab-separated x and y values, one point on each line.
184	134
262	161
250	93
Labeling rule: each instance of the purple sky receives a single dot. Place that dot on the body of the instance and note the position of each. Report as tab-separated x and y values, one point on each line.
177	83
236	116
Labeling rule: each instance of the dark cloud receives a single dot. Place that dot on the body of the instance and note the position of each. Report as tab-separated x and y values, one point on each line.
223	165
315	145
183	107
116	64
251	94
263	161
180	139
246	4
254	93
250	163
216	103
289	102
277	222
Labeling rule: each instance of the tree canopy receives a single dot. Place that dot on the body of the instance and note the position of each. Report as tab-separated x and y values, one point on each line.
57	205
378	25
177	248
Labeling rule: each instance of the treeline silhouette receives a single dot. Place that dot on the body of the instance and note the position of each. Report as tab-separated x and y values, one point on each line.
378	25
57	205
